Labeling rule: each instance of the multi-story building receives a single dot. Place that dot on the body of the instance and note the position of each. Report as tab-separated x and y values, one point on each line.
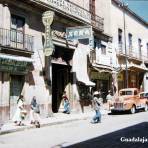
130	41
24	67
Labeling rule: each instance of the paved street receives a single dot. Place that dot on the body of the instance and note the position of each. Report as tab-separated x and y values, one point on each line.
83	134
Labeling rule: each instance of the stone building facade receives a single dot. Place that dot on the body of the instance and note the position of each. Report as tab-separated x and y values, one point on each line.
130	45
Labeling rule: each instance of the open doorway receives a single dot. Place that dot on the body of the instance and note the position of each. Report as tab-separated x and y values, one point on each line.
60	82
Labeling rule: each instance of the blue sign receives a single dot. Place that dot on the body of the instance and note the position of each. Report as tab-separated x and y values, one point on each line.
75	33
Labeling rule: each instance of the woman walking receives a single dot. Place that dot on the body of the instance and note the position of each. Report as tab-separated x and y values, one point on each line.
20	112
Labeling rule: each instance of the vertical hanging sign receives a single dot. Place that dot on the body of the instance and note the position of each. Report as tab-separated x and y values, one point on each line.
47	19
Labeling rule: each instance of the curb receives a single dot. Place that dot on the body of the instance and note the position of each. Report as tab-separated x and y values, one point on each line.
44	125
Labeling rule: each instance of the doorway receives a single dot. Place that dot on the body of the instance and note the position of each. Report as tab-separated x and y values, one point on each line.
60	82
16	86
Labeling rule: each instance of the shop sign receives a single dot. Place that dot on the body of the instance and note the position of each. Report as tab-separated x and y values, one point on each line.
70	9
13	66
75	33
47	19
101	76
120	77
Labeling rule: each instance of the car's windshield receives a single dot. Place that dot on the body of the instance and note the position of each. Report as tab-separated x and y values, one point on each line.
125	93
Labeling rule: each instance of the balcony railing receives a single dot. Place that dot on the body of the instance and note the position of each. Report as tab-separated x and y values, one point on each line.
16	39
97	22
131	54
72	9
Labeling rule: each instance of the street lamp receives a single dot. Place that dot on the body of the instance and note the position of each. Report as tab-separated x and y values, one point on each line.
126	60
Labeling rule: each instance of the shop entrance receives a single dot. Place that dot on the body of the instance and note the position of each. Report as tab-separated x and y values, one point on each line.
60	82
16	86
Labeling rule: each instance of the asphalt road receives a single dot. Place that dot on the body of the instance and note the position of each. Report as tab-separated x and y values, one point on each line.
112	132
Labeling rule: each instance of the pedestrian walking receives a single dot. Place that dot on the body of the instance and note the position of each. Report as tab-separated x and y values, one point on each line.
20	113
35	113
109	98
66	103
96	102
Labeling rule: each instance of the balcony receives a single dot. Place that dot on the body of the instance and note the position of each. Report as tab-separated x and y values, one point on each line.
131	54
97	22
71	9
12	39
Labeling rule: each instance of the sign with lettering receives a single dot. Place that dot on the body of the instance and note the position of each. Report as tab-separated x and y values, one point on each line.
70	9
80	32
13	66
47	19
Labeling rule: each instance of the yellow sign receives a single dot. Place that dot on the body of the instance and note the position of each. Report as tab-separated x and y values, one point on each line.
120	77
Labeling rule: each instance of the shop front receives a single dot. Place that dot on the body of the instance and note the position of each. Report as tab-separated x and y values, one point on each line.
12	79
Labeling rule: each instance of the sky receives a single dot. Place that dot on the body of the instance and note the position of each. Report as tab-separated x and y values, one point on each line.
140	7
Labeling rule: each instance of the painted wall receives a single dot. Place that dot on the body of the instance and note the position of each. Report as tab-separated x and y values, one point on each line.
133	26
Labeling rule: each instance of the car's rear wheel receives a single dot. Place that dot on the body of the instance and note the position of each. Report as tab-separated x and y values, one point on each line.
133	110
146	107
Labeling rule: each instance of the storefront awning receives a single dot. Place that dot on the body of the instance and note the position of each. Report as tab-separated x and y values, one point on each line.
16	58
102	68
132	66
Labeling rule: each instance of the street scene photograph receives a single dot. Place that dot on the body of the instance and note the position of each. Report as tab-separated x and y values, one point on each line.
73	73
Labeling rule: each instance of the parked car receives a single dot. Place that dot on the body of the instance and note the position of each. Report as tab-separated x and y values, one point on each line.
143	95
129	100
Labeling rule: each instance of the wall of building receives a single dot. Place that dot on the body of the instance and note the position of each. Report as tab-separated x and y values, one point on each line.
103	10
34	81
133	26
82	3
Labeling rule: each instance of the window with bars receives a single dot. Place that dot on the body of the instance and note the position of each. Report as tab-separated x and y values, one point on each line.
17	30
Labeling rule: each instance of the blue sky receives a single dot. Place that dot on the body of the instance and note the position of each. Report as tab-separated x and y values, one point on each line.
140	7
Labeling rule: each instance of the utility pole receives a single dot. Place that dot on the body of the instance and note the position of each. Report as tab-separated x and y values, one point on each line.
125	47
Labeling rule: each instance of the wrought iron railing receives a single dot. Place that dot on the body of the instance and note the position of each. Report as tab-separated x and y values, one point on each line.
97	22
131	54
16	39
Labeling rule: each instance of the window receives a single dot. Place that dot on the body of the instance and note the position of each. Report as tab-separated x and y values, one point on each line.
103	49
139	46
17	29
119	36
130	40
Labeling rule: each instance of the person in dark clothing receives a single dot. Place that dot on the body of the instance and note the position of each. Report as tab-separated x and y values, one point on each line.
34	112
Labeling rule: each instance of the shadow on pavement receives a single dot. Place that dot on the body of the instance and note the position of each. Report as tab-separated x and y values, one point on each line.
113	140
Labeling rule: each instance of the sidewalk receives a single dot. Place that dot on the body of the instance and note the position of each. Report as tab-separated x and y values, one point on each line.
57	118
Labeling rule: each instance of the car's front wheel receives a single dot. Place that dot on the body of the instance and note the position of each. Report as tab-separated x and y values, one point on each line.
133	109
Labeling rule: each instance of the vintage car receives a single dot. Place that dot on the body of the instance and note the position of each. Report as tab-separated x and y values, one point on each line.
143	95
129	99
